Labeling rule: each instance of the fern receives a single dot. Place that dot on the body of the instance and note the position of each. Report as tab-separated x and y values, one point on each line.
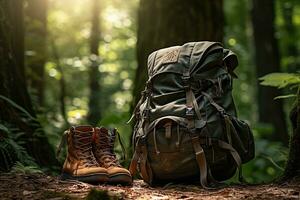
12	153
282	80
11	149
19	167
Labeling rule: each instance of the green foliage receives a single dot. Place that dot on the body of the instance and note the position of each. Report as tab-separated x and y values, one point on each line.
11	149
268	163
69	28
281	80
271	157
25	169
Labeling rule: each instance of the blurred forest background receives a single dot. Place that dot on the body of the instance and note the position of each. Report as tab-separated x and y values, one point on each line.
84	62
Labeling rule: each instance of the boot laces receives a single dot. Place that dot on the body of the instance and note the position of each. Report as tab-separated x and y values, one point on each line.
84	152
105	150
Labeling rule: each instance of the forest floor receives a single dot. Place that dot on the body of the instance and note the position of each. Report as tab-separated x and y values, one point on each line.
41	186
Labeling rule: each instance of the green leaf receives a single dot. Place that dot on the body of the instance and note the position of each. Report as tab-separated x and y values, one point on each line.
285	96
280	80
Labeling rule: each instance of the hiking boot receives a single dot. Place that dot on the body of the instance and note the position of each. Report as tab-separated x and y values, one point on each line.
80	163
103	149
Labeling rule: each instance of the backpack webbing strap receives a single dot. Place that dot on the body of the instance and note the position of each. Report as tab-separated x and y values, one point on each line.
232	151
212	102
201	161
140	157
235	156
134	161
191	102
135	158
146	171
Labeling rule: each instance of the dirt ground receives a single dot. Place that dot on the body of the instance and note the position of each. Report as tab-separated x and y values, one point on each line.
40	186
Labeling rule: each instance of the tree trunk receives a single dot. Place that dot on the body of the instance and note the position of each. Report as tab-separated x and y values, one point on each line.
36	32
290	48
13	86
15	43
267	60
94	114
17	30
173	22
292	168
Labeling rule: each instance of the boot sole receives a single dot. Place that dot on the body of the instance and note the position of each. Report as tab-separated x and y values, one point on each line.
92	178
123	179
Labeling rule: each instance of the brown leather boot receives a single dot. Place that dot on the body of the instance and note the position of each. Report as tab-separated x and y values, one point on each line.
103	149
80	163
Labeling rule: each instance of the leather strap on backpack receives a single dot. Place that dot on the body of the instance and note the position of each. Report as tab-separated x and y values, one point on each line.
140	158
135	158
133	163
146	171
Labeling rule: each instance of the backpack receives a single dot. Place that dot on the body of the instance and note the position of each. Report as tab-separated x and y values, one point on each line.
186	126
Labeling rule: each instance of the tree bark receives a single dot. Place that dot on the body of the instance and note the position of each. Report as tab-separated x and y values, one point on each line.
173	22
14	40
94	114
290	48
36	33
17	30
292	168
13	86
267	60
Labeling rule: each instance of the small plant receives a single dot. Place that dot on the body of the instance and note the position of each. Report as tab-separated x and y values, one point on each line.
25	169
11	149
292	82
282	80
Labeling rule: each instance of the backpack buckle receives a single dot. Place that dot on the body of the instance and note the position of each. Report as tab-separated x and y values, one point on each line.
189	112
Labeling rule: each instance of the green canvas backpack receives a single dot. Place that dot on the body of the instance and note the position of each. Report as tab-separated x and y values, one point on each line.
186	125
